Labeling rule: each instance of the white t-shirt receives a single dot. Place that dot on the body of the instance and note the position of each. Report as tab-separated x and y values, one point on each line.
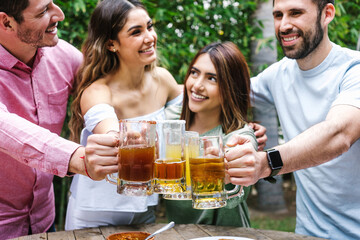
328	195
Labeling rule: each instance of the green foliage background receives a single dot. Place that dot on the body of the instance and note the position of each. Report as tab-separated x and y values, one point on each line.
345	28
185	26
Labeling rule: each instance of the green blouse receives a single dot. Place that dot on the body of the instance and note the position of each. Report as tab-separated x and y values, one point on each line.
235	213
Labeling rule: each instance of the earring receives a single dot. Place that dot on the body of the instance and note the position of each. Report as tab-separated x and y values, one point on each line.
114	50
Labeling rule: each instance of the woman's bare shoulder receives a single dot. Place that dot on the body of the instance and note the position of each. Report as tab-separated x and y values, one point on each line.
98	92
168	81
165	75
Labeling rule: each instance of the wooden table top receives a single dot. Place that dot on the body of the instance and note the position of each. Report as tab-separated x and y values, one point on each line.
179	232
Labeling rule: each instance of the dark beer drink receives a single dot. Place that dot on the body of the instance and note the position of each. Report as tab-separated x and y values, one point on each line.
136	158
136	163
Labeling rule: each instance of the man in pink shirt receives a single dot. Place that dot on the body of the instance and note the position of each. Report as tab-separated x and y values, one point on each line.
36	77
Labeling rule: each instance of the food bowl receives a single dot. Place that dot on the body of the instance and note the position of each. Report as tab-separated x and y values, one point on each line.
129	236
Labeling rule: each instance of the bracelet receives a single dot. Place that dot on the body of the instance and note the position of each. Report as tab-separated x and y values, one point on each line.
83	158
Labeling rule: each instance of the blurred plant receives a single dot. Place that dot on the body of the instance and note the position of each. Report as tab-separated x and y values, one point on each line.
185	26
345	28
77	15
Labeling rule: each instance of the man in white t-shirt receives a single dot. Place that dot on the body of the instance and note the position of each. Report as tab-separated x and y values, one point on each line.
316	91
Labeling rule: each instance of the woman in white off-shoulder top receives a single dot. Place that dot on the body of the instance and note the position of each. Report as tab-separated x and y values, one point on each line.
118	80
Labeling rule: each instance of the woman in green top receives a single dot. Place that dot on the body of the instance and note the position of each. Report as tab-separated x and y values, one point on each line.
216	102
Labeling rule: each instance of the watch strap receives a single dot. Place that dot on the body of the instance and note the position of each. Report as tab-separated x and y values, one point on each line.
270	179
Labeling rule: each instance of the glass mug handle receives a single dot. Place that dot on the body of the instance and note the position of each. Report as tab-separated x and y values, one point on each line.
111	178
236	192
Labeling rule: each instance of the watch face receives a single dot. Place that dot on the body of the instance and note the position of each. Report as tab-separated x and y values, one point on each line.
275	159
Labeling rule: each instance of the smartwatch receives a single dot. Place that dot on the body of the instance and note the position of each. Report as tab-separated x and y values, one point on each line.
275	164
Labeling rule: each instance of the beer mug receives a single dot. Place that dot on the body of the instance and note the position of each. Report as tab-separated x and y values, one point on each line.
193	147
207	172
169	174
136	158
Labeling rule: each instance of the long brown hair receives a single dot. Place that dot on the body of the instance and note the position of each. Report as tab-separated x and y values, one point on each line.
107	20
233	79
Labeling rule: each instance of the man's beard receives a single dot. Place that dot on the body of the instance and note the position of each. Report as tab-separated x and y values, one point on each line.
34	39
308	45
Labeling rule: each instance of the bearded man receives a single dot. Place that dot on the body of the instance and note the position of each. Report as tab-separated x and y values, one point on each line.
315	89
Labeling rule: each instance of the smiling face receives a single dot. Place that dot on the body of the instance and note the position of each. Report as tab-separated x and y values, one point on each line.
39	27
298	27
202	87
137	39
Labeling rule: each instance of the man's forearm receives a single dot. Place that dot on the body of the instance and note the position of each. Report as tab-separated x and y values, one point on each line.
322	142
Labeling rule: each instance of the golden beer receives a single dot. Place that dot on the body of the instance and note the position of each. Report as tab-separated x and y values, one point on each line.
193	149
207	175
169	174
207	172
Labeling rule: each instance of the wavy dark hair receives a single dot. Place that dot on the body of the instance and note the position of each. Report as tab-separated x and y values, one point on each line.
14	8
107	20
233	79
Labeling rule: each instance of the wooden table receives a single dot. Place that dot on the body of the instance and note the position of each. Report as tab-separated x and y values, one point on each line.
179	232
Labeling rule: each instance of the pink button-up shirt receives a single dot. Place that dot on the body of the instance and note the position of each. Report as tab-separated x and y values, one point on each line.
32	112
